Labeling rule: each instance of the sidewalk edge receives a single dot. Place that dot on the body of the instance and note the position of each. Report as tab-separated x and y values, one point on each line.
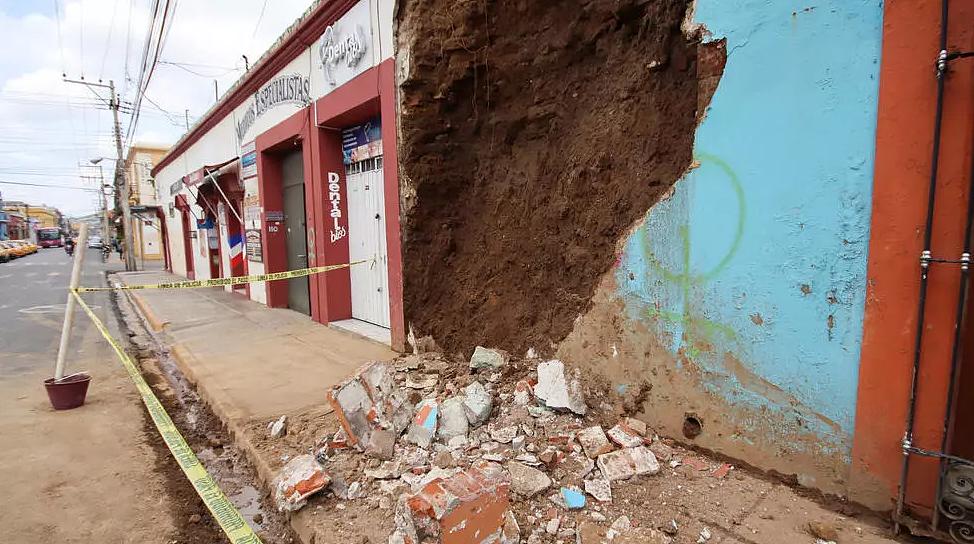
185	361
148	313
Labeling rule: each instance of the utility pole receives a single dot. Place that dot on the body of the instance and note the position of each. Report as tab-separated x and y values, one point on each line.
121	185
187	120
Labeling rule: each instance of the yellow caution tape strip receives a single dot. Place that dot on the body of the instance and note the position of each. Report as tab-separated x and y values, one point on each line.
219	505
227	281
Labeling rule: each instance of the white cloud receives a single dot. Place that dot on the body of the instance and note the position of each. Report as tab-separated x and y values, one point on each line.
48	127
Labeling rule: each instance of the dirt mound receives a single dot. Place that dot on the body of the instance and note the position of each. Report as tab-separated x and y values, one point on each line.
534	135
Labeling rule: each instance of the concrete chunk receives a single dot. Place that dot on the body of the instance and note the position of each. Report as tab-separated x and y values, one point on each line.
624	464
643	461
527	481
594	441
600	489
423	428
491	359
279	427
555	391
453	420
477	402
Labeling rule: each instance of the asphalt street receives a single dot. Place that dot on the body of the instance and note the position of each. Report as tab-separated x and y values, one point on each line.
65	473
33	292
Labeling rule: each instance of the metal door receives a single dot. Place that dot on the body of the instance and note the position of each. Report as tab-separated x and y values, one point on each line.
298	292
367	241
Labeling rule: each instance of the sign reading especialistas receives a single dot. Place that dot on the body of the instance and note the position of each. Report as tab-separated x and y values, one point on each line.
284	89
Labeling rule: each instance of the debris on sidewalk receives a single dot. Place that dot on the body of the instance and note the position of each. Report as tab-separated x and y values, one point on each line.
555	390
487	359
300	478
279	427
515	458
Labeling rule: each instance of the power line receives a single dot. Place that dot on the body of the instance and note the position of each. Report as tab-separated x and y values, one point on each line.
183	66
128	47
259	19
82	4
108	42
57	19
47	186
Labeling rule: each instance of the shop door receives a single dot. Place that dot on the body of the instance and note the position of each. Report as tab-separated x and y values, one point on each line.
367	241
299	292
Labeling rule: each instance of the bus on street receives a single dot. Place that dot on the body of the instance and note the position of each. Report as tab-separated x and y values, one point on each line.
49	237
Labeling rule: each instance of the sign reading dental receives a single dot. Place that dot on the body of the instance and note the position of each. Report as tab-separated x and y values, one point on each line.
345	49
286	89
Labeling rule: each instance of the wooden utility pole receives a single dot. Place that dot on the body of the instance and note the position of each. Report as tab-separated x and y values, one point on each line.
121	185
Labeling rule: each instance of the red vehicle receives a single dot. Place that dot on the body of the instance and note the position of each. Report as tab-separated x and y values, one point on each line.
49	237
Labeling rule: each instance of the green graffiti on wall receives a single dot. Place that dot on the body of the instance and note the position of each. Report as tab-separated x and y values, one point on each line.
699	333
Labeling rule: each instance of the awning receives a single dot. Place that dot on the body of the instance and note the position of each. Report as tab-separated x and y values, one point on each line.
197	176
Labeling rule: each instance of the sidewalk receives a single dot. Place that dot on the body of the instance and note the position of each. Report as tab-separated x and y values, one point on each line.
253	364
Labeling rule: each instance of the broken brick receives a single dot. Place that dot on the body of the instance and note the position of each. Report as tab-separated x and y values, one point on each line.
623	435
722	471
367	401
470	506
299	479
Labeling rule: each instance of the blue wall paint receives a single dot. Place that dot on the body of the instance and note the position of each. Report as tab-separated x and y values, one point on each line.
781	200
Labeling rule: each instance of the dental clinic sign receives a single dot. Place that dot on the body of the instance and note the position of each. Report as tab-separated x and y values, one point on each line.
345	49
286	89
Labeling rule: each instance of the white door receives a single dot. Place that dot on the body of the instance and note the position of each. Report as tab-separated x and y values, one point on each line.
367	242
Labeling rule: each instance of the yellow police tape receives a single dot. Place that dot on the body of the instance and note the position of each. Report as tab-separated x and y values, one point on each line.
228	281
222	509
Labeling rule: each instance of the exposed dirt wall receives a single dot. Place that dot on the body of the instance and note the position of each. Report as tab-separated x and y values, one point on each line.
534	134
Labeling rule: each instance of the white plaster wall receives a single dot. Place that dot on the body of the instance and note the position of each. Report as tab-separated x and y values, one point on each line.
221	143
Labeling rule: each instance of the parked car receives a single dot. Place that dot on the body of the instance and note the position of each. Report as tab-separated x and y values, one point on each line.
29	247
5	254
15	249
95	242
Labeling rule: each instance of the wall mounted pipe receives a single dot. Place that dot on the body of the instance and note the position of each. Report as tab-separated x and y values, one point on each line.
925	257
965	265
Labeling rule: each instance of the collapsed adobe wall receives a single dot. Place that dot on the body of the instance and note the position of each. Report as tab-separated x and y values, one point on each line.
533	135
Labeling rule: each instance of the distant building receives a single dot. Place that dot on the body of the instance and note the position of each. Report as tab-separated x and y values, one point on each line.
3	220
22	219
143	194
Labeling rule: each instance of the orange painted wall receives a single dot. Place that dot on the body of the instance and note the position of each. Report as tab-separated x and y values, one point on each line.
904	143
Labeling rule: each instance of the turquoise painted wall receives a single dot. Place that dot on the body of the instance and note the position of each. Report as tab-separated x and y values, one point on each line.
754	269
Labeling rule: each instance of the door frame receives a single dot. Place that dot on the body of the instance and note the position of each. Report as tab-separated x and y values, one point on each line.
184	212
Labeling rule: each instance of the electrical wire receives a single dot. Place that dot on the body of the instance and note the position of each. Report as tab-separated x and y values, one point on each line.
128	48
207	76
259	19
60	46
108	42
47	186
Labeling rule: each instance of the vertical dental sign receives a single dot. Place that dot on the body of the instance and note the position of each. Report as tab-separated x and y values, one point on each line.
345	48
335	197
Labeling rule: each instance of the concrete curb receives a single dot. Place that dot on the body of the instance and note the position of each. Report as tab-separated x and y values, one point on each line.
150	316
186	362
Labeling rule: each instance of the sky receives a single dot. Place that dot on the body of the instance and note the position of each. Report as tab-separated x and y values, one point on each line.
50	130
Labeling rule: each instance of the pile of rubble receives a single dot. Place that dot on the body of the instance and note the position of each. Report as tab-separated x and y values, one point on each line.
494	460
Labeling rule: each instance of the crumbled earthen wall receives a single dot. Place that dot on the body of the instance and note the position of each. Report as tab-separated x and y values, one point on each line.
533	135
